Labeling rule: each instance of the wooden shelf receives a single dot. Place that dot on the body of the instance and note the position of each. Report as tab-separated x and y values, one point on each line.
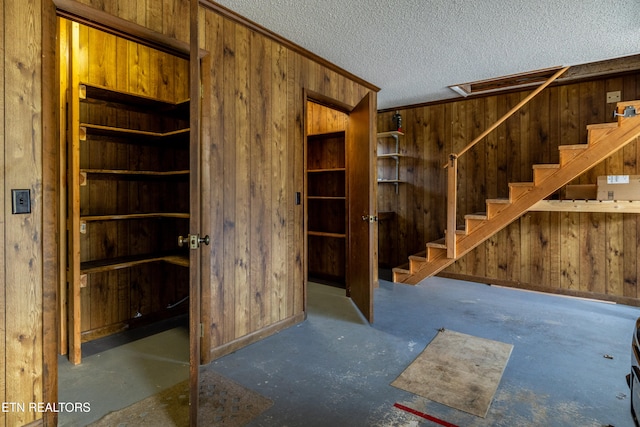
95	94
87	129
325	234
322	135
606	206
326	198
326	170
392	133
112	264
127	159
395	156
118	217
131	172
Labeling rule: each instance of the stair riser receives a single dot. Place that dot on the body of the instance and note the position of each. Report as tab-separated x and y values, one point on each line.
494	209
472	224
595	134
567	155
434	253
515	192
400	277
415	263
541	174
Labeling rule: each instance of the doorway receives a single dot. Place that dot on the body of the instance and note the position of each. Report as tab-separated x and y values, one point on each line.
125	147
340	197
327	196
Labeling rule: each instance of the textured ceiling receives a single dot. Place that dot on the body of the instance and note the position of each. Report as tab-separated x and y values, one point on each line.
414	49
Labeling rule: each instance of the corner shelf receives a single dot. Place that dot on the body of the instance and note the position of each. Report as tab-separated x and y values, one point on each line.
395	155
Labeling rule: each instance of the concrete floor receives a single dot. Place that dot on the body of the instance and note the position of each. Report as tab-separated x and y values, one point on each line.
335	369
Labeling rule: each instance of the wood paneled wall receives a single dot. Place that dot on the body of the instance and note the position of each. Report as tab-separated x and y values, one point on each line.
589	254
252	131
321	119
168	17
252	166
21	255
119	64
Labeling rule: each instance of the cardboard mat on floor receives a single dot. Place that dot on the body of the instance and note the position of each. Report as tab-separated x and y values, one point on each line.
222	403
457	370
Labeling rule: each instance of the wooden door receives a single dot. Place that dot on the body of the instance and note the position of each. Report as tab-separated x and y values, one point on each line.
194	215
361	251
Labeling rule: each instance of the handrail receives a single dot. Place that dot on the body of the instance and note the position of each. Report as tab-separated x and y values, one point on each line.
450	236
510	112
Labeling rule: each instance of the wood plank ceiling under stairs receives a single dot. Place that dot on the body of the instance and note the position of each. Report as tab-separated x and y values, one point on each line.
603	140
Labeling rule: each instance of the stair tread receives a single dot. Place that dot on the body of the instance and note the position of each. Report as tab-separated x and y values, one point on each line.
573	147
521	184
602	125
547	166
440	243
477	215
505	201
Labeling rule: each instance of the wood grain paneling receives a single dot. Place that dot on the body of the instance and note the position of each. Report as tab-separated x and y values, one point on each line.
236	131
254	85
3	215
22	265
590	254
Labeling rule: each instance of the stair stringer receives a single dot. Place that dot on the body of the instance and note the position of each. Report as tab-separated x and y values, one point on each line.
605	140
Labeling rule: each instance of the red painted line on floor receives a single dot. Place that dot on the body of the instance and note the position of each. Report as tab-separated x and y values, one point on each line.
425	416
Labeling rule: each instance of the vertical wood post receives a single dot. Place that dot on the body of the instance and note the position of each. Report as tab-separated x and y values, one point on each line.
73	298
452	194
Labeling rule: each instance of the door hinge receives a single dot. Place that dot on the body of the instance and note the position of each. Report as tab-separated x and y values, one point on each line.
201	330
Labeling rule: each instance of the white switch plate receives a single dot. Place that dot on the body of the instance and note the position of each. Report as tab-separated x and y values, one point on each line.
613	97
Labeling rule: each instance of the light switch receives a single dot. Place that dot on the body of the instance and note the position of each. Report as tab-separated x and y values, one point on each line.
20	201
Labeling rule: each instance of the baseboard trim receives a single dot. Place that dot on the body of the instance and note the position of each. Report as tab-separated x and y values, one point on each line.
253	337
549	290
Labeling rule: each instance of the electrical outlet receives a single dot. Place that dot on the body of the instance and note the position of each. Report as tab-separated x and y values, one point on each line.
613	97
20	201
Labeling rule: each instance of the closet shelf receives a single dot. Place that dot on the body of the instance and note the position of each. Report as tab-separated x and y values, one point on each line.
91	93
326	170
118	217
326	198
104	265
326	234
133	172
87	129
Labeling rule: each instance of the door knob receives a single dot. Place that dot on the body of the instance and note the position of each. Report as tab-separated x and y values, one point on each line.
193	240
370	218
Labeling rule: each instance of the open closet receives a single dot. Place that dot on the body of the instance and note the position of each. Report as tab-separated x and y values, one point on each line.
340	198
327	225
125	151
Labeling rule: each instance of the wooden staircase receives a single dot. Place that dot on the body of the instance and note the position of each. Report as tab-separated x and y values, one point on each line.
603	140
